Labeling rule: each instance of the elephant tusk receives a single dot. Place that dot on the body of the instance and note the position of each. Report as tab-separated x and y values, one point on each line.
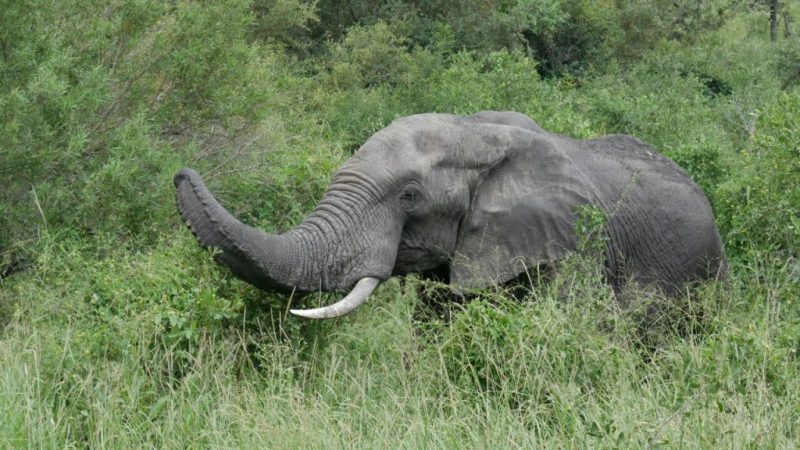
354	299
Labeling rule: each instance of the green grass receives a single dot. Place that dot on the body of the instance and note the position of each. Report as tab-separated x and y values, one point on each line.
567	367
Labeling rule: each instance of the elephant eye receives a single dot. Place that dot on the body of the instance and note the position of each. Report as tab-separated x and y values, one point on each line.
409	197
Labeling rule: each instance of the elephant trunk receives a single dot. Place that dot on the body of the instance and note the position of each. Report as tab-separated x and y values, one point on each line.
264	260
329	250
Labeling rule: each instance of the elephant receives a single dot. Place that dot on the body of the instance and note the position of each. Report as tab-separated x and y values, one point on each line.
481	198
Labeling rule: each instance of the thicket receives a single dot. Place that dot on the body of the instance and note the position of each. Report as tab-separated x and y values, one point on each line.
117	330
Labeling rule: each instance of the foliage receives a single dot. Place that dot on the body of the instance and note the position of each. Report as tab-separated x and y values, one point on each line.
369	56
117	331
162	303
100	114
286	22
759	209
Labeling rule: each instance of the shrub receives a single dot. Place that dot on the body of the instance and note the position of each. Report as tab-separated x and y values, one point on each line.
703	161
123	300
544	355
500	80
758	208
287	22
370	56
97	114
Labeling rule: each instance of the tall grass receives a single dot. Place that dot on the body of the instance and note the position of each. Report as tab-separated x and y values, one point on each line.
566	367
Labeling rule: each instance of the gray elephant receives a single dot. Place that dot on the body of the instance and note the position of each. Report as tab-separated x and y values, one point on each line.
484	197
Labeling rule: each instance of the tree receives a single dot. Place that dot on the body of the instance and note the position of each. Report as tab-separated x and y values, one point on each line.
773	20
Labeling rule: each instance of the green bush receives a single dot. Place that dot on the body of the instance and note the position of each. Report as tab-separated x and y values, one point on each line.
122	299
286	22
759	206
703	161
370	56
657	100
99	114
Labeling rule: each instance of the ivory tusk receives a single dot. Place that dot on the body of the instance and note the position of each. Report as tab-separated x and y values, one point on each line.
354	299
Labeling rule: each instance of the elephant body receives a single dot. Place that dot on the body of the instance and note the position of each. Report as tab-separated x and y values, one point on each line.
485	197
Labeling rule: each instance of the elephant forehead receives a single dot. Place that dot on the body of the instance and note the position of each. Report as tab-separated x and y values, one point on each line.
425	133
385	164
416	151
430	141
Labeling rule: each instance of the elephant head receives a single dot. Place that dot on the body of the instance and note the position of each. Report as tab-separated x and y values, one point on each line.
484	197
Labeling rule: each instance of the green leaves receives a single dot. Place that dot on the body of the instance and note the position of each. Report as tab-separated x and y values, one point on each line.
758	208
286	22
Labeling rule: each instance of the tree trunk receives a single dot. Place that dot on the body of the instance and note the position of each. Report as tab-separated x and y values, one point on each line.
787	31
773	20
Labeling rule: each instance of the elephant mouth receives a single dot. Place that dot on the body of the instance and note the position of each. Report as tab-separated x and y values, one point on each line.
410	260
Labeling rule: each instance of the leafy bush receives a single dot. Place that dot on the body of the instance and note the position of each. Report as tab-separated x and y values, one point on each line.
98	113
119	300
703	161
286	22
499	80
758	207
370	56
655	101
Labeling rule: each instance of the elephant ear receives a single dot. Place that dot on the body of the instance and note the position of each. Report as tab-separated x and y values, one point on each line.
523	209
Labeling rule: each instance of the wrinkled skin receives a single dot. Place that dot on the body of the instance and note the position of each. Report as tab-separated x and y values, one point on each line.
483	198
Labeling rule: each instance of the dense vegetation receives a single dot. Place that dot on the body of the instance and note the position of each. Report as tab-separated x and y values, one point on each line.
116	330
